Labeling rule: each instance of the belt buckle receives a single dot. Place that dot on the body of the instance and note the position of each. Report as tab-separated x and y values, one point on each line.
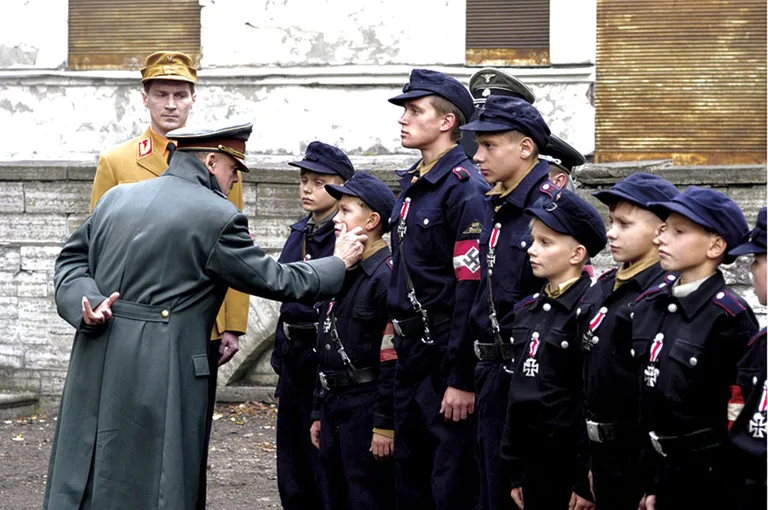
656	443
593	431
397	328
478	354
323	381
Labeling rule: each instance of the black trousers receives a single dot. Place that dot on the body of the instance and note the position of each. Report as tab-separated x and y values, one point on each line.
616	473
213	366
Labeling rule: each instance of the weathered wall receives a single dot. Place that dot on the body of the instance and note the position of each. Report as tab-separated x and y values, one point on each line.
40	204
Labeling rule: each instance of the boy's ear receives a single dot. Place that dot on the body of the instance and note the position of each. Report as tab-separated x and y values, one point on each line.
527	147
374	220
717	248
578	255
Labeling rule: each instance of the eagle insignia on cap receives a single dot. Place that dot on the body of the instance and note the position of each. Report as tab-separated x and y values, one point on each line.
488	77
169	57
145	147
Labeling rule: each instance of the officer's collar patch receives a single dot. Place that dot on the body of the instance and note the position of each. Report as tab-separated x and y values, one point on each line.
145	147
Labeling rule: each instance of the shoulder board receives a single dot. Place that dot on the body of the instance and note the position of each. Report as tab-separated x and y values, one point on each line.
389	263
605	274
144	147
548	188
728	302
525	302
653	290
670	279
461	173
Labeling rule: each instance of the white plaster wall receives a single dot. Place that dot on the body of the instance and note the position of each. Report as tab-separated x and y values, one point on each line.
33	34
332	32
572	31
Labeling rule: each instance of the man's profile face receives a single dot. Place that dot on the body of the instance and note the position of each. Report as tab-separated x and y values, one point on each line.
224	168
168	103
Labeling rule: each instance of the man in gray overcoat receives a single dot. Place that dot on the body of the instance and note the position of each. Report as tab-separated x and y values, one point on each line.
142	280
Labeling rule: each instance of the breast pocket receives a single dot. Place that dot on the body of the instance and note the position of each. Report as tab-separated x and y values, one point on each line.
364	324
514	256
430	232
559	357
679	378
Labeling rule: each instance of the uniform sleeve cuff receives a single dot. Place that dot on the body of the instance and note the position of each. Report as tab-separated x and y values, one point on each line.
384	432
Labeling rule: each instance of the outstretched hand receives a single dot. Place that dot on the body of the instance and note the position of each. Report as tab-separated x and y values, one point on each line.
349	245
102	313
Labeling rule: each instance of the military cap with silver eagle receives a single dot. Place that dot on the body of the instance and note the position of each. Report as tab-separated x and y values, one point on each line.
489	81
228	138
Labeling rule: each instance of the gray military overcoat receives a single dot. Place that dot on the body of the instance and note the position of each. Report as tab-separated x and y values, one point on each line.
131	426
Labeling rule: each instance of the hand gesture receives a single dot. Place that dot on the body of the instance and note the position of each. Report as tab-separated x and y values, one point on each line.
102	313
349	245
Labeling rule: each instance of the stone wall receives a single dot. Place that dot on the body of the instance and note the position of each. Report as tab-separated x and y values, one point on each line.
42	203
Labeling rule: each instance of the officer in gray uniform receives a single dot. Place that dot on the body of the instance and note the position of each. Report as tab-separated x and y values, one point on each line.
489	81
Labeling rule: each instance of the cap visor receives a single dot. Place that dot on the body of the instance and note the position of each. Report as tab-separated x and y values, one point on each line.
548	219
663	210
411	94
242	165
337	191
747	249
483	126
611	196
313	167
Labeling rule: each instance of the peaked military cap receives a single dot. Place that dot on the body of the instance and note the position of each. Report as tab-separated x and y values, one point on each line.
227	138
571	215
425	82
370	190
756	243
710	209
323	158
489	81
561	154
169	65
640	189
504	113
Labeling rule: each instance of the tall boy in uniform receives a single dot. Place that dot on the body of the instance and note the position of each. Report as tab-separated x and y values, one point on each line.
688	337
544	428
352	424
437	222
168	79
293	357
610	374
748	433
509	133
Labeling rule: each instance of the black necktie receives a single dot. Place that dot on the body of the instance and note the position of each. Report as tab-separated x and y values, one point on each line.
171	149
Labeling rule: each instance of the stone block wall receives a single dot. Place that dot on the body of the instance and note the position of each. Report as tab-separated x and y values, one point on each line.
42	203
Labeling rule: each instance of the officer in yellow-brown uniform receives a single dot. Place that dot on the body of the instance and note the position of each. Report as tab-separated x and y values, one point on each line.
168	80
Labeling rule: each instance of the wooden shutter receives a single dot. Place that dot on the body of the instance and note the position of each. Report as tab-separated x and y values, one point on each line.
682	79
119	34
507	32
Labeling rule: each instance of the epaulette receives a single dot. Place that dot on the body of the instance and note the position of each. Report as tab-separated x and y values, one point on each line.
145	147
548	188
728	302
389	263
607	273
461	173
670	279
525	302
757	337
651	291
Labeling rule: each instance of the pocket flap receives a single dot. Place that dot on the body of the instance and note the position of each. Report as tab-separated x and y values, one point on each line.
686	353
200	362
640	347
428	218
363	312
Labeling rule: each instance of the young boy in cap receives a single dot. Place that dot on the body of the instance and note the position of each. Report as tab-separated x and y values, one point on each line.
509	133
544	427
688	337
562	157
437	222
748	432
293	357
610	374
168	79
352	424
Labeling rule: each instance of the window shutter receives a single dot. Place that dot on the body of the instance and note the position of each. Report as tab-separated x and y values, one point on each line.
684	80
507	32
119	34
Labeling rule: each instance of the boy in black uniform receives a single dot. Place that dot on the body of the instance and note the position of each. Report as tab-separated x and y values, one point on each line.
437	222
509	132
293	357
610	374
748	432
356	361
688	337
544	428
